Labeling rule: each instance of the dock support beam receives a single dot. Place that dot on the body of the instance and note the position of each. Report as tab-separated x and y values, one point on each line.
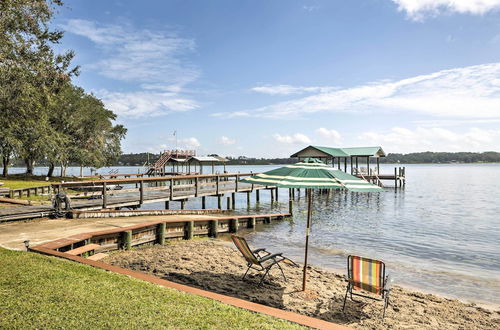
161	233
127	240
214	228
257	195
233	225
251	223
219	202
189	230
248	199
203	202
167	205
183	204
141	192
233	201
104	196
228	202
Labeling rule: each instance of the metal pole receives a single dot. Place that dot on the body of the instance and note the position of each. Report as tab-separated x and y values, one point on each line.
309	214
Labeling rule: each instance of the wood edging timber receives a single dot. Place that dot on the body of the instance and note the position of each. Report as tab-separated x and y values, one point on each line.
236	302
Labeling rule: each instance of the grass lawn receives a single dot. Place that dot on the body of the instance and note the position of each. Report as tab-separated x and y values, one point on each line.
38	291
24	181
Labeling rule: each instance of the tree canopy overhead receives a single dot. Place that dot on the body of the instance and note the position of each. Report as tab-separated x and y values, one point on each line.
43	115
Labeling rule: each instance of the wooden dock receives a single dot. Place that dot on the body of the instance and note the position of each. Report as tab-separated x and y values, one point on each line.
139	191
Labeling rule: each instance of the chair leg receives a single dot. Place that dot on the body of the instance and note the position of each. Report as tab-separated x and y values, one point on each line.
263	276
246	273
282	272
345	298
386	303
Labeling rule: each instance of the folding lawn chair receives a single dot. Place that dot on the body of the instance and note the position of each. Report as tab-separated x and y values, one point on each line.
259	259
367	275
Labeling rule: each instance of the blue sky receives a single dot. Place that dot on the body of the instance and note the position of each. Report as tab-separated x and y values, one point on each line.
266	78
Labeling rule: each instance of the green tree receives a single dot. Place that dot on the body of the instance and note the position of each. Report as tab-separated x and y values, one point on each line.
30	75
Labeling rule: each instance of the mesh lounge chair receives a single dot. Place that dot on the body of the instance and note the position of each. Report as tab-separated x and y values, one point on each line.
367	275
259	259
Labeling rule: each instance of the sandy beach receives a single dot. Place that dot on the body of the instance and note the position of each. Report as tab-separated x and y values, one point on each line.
216	266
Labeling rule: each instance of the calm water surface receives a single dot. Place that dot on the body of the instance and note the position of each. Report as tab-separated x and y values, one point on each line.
440	234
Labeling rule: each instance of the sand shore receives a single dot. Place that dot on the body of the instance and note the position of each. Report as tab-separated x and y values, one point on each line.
213	265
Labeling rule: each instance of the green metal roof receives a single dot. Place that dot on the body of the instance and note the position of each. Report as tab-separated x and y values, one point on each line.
346	152
311	173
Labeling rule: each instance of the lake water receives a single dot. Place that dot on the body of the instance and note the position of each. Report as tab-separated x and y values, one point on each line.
440	234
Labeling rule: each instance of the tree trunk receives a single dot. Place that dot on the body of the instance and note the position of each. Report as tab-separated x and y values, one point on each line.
63	169
81	171
50	173
30	166
5	160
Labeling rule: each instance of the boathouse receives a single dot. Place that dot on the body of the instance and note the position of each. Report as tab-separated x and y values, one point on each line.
357	157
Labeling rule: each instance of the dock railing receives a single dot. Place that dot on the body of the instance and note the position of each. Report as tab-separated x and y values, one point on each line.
165	187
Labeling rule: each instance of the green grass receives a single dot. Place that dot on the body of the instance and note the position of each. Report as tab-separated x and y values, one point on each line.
24	181
37	291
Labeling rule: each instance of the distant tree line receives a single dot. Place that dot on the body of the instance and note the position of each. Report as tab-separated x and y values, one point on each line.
411	158
443	157
43	116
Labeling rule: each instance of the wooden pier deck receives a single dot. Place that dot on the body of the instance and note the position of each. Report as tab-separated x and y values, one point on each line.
149	190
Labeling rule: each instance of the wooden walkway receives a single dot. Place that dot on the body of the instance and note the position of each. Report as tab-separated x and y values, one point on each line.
150	190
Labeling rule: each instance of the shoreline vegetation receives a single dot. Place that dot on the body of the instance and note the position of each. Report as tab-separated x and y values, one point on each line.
141	159
214	265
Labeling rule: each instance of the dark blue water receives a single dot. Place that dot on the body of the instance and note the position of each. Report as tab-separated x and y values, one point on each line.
440	234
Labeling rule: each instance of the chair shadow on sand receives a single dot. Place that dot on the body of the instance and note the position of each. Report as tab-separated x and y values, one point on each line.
271	293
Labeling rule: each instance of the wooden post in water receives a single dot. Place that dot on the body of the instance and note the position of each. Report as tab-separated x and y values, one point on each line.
236	183
290	206
248	199
141	192
104	196
251	223
276	193
228	202
217	185
196	187
272	195
395	178
203	202
167	205
171	189
233	201
257	196
183	204
219	202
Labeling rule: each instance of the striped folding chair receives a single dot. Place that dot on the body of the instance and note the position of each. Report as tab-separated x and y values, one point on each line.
368	275
259	259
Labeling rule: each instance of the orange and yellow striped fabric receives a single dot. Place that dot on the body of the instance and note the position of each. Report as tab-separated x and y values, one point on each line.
242	245
366	274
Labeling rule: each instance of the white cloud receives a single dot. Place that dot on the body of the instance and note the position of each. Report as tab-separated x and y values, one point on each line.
151	59
288	89
419	9
297	138
329	136
189	143
404	140
145	103
468	92
226	141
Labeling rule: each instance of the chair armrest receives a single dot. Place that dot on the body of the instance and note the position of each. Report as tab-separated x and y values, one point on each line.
271	256
258	250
